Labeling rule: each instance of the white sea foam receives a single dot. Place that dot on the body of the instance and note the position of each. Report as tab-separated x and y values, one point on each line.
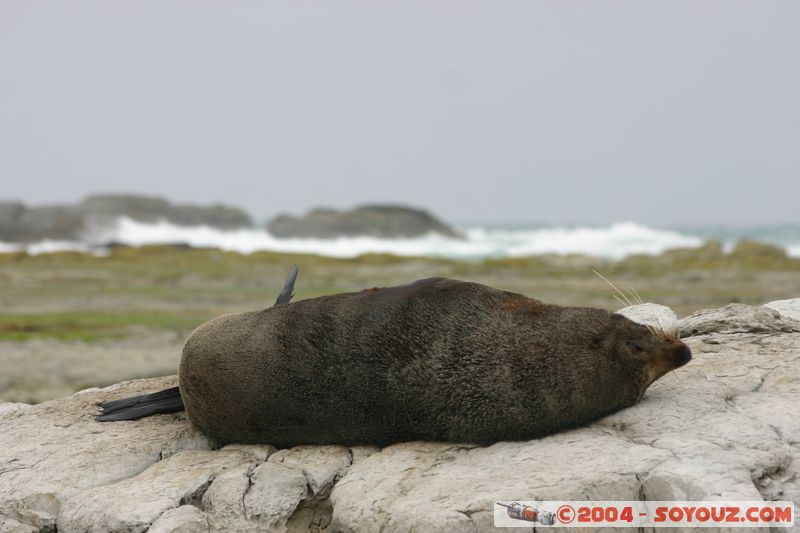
7	248
613	242
48	246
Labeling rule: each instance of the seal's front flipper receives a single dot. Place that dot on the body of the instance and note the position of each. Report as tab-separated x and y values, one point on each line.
288	288
165	401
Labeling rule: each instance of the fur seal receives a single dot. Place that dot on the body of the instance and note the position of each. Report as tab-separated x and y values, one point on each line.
437	359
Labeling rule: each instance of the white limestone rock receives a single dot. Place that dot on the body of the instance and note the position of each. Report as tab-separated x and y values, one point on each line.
276	493
787	308
8	409
56	449
134	503
322	465
722	427
183	519
736	318
650	314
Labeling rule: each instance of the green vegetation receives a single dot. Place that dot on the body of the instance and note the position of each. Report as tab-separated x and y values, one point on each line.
125	315
91	326
75	296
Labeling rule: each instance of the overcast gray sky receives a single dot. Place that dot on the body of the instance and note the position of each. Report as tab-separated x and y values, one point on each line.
678	112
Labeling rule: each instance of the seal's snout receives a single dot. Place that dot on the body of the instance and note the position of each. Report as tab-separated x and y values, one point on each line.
683	356
673	355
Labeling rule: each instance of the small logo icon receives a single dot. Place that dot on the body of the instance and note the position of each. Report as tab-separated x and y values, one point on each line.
565	514
527	513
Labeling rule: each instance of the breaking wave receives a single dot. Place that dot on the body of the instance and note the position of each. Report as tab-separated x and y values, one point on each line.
614	241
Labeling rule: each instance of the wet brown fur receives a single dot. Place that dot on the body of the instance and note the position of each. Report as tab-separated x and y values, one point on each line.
437	359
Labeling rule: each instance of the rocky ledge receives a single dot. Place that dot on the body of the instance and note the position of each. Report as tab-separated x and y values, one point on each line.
723	427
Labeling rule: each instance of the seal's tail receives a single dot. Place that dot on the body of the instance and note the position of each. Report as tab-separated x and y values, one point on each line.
165	401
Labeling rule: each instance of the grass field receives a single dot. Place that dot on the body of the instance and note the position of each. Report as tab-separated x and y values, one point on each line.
139	303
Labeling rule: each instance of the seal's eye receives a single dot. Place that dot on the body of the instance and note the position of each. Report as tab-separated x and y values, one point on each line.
634	346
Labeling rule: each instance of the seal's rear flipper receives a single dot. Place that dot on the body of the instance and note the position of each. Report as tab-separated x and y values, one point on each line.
165	401
288	288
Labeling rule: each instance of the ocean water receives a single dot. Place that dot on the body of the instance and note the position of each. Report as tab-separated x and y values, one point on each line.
613	241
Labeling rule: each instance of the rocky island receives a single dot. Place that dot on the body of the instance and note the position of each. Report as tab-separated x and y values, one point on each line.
381	221
79	222
20	223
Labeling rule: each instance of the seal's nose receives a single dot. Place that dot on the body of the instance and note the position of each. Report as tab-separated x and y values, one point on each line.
683	356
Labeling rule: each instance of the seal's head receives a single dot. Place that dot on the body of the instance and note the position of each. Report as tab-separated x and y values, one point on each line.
650	352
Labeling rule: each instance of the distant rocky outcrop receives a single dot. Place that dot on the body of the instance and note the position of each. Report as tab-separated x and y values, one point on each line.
19	223
152	209
383	221
724	427
10	220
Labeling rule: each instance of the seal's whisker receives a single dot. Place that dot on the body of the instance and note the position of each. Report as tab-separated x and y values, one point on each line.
667	335
659	331
615	288
638	298
658	328
633	296
664	334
